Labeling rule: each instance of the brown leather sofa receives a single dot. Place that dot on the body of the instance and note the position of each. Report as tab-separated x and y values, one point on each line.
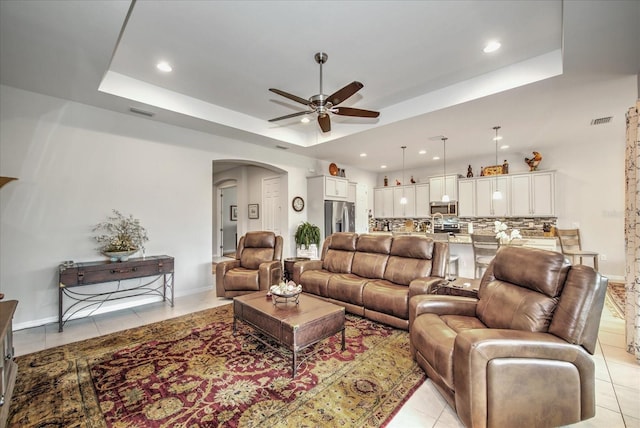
518	355
374	275
258	265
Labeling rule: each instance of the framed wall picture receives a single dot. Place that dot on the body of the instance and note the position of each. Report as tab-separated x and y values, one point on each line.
233	212
254	211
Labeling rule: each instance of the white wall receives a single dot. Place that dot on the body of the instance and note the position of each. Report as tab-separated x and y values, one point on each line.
75	163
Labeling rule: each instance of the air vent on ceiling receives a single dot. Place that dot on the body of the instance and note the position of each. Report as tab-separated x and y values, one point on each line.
142	112
282	147
601	120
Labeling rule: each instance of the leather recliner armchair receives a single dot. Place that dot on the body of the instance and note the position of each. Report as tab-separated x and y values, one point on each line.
519	354
258	265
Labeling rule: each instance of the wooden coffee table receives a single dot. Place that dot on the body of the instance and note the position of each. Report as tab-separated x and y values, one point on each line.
293	326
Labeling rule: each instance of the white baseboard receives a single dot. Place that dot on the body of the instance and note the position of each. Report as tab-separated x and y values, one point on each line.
109	308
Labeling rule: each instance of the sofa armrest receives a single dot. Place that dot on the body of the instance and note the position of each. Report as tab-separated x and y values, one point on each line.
441	305
221	270
423	285
305	265
269	273
483	358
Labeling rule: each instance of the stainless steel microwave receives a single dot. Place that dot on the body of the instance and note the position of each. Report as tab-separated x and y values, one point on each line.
444	208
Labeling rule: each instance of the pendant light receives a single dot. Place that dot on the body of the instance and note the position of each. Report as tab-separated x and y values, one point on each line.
403	199
497	194
445	197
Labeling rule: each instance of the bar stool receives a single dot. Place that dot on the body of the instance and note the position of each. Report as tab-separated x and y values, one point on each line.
485	248
453	258
571	247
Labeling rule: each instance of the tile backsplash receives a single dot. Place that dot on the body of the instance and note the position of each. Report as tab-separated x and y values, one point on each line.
531	226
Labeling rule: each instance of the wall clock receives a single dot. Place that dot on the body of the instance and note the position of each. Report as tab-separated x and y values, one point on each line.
297	203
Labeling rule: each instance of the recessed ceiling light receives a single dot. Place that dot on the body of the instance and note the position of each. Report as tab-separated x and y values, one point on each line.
504	146
436	158
498	138
422	152
304	120
492	46
164	66
383	166
363	155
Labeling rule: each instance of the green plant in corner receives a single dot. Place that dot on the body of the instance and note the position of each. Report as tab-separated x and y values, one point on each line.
120	233
307	234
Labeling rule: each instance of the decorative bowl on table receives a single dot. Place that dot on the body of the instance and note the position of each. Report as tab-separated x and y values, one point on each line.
286	289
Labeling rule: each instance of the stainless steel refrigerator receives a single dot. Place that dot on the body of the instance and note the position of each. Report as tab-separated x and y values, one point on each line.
339	217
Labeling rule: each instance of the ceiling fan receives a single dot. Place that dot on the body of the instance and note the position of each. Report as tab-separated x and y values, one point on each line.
323	104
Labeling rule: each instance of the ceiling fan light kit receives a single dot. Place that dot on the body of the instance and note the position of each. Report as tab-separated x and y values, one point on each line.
323	104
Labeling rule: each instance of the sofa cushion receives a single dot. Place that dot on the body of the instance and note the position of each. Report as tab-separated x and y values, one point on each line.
374	244
315	282
538	270
435	335
506	305
412	246
403	270
346	288
338	261
260	240
387	298
251	258
241	279
344	241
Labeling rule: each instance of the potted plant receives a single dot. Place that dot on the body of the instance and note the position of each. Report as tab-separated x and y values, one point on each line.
120	236
307	234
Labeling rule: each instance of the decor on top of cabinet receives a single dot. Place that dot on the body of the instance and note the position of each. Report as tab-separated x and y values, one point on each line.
493	170
333	169
501	233
469	172
398	183
121	236
534	161
386	181
505	167
412	181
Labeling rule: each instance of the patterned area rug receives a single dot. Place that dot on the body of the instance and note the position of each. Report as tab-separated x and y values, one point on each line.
192	372
616	298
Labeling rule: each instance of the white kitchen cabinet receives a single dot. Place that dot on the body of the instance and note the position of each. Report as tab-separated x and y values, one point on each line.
383	202
408	209
486	206
467	198
331	188
422	200
351	193
438	187
533	194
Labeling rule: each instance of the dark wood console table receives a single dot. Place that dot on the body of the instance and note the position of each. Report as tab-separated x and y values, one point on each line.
73	276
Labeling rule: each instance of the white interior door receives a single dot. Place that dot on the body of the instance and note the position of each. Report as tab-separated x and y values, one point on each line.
271	201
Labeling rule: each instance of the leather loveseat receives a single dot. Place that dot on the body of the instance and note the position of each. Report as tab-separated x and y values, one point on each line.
374	275
518	355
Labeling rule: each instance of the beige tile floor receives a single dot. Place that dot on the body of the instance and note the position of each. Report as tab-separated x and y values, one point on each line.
617	374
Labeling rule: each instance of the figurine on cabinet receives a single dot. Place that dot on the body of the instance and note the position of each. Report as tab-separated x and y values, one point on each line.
505	167
481	171
469	172
412	180
386	181
534	161
398	182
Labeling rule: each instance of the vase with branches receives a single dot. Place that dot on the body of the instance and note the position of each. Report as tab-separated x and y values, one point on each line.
120	236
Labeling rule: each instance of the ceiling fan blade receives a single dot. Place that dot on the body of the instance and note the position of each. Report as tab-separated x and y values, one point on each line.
348	111
324	122
290	96
344	93
300	113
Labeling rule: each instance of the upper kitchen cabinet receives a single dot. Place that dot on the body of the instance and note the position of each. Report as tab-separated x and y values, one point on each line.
422	200
351	192
533	194
467	198
332	188
486	206
408	209
383	202
438	187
